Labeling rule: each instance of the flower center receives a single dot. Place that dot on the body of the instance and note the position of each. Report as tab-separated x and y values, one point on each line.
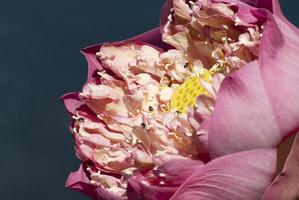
186	94
134	124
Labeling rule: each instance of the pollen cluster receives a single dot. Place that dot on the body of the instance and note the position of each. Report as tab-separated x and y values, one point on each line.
185	95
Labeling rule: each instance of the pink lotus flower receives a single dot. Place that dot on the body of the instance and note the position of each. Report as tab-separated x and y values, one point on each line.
194	110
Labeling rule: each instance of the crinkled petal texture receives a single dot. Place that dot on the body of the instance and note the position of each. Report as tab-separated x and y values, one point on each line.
286	185
152	37
72	100
79	181
240	176
252	110
162	182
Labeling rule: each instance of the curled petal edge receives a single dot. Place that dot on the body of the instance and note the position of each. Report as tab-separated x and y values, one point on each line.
78	181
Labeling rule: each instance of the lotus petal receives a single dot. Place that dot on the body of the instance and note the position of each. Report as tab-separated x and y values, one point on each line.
241	176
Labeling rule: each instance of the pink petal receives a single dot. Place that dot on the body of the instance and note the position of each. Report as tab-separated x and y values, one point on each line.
177	170
245	11
92	61
165	11
78	181
99	91
268	4
200	127
272	5
279	61
251	110
286	185
72	102
152	37
182	9
172	174
241	176
140	191
242	117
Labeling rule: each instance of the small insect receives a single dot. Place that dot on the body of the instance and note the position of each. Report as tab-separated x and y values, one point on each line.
178	112
80	120
143	125
189	66
150	108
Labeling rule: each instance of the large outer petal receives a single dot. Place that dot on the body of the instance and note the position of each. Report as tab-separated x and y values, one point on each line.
242	118
78	181
176	171
271	5
279	61
173	173
286	185
241	176
258	105
140	191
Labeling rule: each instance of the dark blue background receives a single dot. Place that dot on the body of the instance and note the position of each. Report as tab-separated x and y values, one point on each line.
40	61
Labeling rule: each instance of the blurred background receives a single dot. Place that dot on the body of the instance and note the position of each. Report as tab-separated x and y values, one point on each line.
39	62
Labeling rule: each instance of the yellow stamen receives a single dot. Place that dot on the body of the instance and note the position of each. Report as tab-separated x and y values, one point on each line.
186	93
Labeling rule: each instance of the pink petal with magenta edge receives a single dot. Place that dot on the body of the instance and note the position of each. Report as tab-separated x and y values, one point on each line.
240	176
78	181
178	170
251	110
72	102
173	173
286	184
139	191
242	119
271	5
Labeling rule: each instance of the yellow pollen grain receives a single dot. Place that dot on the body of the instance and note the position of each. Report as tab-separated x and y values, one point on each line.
186	94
